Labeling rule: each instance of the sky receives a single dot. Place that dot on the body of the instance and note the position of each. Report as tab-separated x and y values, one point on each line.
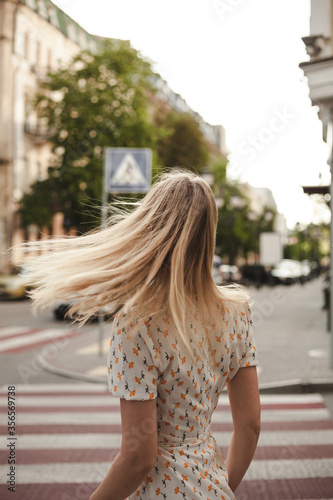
236	62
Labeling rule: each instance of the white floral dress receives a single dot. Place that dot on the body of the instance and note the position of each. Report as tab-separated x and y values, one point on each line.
156	364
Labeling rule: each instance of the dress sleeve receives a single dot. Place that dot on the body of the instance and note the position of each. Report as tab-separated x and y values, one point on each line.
248	354
131	370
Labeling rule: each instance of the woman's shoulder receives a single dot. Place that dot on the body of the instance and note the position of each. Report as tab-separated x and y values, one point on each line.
234	296
234	305
129	326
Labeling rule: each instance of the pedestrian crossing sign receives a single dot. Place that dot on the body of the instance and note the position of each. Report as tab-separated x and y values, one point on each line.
127	170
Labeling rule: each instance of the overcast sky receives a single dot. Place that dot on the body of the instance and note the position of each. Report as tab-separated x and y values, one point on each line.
236	62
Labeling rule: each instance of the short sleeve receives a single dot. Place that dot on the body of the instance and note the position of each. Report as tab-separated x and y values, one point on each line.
248	355
241	348
131	370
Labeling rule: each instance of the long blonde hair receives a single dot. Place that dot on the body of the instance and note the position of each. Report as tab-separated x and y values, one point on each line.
158	255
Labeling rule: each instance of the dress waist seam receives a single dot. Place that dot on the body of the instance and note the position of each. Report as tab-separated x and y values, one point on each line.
185	442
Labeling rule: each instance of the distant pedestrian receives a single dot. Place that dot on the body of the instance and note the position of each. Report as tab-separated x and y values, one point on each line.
177	340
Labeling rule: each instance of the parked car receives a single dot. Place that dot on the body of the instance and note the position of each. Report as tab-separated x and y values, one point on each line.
216	272
60	310
305	270
230	274
13	286
311	269
255	274
289	271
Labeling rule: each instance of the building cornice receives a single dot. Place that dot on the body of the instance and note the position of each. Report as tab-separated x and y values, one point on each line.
61	21
316	62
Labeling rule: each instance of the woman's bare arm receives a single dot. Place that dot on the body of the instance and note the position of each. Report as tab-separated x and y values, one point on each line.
245	408
137	454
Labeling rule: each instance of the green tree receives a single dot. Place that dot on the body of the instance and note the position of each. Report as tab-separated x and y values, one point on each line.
311	242
183	143
99	101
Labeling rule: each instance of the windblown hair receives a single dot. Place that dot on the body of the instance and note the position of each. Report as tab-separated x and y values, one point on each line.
158	255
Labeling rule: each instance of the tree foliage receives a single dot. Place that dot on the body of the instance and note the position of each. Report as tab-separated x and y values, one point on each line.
311	242
184	144
99	101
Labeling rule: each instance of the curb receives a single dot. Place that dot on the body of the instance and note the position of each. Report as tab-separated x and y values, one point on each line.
284	387
297	386
68	374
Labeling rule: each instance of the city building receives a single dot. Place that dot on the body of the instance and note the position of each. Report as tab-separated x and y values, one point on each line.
262	202
260	198
319	72
35	37
319	68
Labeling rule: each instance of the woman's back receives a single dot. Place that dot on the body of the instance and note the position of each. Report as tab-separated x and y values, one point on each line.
148	361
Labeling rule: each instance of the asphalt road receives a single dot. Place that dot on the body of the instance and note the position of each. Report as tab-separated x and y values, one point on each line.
290	332
18	314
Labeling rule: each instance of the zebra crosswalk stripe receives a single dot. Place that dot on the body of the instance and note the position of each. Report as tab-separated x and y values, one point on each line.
21	338
68	434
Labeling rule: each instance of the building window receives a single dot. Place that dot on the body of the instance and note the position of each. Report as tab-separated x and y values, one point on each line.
92	45
71	31
38	53
83	40
53	16
27	115
49	60
31	4
26	46
42	10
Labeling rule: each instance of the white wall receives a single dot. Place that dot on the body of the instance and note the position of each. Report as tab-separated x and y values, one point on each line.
321	23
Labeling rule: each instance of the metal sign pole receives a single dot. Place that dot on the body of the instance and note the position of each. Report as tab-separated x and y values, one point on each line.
330	161
126	170
103	226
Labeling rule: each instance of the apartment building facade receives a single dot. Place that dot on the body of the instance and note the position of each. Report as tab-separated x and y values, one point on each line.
319	68
35	37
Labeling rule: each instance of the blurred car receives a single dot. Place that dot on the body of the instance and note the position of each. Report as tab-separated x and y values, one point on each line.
60	310
255	274
311	269
305	269
230	274
13	286
289	271
216	272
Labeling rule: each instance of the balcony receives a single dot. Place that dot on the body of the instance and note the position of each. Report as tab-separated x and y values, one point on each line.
37	133
319	70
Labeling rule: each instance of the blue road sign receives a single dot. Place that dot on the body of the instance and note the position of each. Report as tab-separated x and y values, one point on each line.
127	170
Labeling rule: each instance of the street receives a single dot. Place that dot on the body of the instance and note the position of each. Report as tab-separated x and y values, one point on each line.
290	331
64	433
23	336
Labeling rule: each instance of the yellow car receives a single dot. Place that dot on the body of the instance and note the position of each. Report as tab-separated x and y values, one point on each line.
13	286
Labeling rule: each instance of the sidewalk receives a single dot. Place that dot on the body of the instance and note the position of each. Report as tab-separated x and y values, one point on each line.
290	330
